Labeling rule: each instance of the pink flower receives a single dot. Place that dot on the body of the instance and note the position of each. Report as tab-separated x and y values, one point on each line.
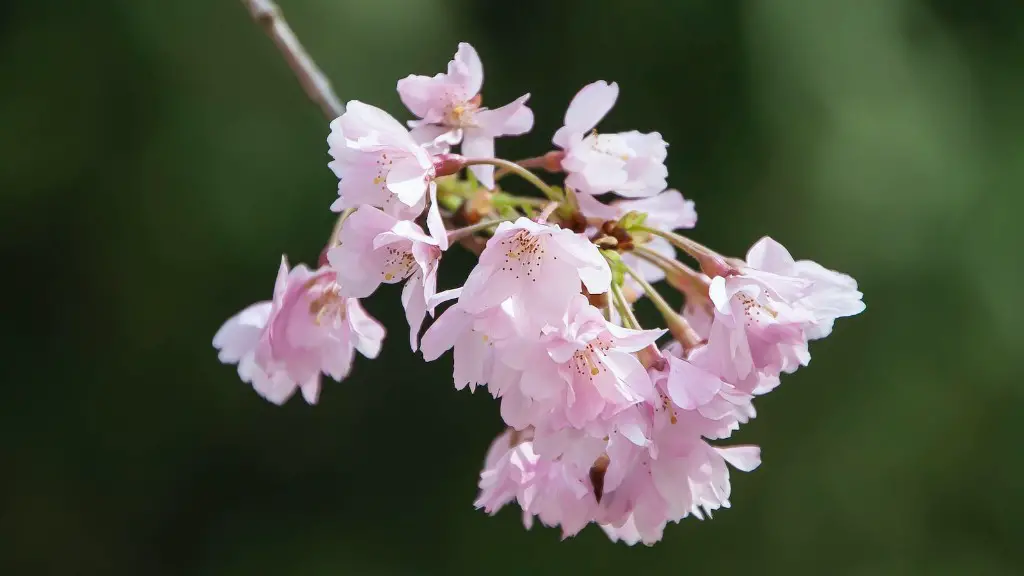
237	340
628	163
477	341
692	398
631	492
693	480
763	319
510	465
556	491
583	370
830	295
308	328
448	106
380	164
755	329
376	248
539	267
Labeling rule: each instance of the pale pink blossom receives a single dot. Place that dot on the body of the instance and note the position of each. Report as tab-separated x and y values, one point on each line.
237	340
755	329
630	164
583	370
557	492
763	319
375	248
691	398
538	266
449	109
509	467
308	328
692	479
476	341
830	294
629	491
380	164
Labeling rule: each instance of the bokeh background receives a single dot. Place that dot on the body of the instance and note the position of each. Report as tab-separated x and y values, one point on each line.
157	158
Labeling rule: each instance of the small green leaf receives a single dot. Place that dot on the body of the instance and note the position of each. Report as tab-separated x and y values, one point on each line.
616	265
632	219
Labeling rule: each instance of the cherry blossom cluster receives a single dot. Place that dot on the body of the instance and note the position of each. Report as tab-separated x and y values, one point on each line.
607	422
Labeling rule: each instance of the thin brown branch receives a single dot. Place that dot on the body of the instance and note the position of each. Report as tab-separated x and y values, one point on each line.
313	80
268	15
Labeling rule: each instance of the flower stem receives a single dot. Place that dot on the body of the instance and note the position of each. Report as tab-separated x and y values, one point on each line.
333	240
460	233
679	275
547	212
677	325
552	162
518	170
712	263
628	318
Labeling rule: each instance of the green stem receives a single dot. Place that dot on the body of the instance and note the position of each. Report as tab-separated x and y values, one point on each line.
519	201
623	307
333	239
677	325
518	170
710	261
460	233
659	302
679	275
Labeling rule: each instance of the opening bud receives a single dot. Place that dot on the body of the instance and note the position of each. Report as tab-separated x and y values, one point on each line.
448	164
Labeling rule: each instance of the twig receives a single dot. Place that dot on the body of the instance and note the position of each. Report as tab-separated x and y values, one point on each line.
268	15
316	85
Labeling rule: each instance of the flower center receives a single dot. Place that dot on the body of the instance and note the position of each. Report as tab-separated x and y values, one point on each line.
461	114
398	264
328	303
587	361
754	310
383	167
610	145
526	250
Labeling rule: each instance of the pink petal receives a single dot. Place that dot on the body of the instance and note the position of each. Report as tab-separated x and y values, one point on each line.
467	69
743	458
418	93
311	390
443	333
407	180
768	255
368	332
367	117
240	334
512	119
690	387
590	105
477	144
415	308
435	224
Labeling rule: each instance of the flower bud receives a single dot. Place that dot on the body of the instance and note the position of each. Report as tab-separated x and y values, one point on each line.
448	164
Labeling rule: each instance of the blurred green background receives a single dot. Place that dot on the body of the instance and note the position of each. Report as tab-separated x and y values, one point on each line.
158	157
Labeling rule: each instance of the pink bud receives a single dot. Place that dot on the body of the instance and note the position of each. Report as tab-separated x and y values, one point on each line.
553	161
448	164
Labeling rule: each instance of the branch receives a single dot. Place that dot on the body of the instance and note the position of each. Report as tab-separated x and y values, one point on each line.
268	15
316	85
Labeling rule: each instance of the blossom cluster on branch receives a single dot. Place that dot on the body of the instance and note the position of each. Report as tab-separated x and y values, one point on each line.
607	422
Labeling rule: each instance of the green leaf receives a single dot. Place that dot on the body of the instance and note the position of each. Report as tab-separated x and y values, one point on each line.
632	219
617	266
